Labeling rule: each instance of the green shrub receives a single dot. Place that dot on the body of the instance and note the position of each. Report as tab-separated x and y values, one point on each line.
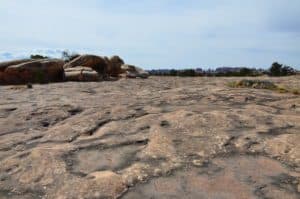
262	84
67	56
258	84
279	70
38	57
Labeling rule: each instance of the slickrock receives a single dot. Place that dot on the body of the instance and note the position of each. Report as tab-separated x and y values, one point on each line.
161	137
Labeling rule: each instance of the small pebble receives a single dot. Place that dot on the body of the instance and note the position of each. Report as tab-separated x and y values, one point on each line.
197	163
97	194
157	172
293	106
29	86
142	177
130	181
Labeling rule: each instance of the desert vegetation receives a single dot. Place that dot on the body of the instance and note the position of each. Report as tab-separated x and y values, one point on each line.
68	56
37	56
280	70
276	69
262	84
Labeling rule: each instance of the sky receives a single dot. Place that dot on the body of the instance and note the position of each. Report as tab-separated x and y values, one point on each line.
156	33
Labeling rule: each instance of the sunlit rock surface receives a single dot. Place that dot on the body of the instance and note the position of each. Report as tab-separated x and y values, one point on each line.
155	138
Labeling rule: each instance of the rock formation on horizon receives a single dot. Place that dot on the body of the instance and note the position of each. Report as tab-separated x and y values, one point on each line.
57	70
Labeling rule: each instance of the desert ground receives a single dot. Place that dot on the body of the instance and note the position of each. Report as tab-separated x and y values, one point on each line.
162	137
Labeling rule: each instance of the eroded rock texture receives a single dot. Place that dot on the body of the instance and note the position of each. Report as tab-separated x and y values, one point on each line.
156	138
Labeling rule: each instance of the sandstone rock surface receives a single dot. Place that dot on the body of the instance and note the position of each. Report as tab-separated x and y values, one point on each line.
4	65
134	71
81	73
97	63
114	66
164	137
37	71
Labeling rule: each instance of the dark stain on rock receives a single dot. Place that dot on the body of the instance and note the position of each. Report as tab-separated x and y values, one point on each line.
75	111
164	123
286	182
277	131
85	160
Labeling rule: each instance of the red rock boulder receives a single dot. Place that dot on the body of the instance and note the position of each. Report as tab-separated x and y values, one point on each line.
4	65
38	71
114	66
91	61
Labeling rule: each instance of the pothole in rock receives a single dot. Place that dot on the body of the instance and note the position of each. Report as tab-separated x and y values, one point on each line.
26	194
237	177
115	158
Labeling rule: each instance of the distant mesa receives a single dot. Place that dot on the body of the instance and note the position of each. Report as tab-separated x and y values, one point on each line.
40	69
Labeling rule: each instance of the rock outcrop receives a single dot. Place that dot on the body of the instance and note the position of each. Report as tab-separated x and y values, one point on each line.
97	63
134	72
79	68
2	81
81	73
38	71
114	66
4	65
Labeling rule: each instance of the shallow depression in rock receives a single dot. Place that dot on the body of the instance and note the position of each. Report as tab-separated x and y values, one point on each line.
89	160
58	141
237	177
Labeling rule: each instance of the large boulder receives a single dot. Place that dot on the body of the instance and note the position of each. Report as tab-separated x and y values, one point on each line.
38	71
91	61
114	66
2	81
4	65
81	73
134	71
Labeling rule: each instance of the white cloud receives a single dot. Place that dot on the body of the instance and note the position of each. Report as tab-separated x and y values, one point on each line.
157	33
